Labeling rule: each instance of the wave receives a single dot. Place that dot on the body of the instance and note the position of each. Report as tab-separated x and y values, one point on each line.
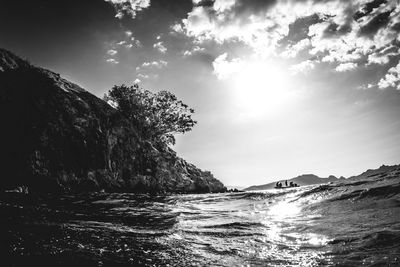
384	240
221	234
315	190
236	225
259	195
381	239
385	191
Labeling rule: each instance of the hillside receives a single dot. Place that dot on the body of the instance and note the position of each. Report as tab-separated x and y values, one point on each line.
309	179
58	137
305	179
383	171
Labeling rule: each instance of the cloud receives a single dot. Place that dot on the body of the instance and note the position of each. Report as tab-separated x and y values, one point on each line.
224	68
129	7
112	52
160	47
346	67
177	27
157	64
143	76
148	67
351	33
112	61
259	24
391	79
366	86
303	67
377	22
194	50
130	41
382	57
134	42
138	43
292	50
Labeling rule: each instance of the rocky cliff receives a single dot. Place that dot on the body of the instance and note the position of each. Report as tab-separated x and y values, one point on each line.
57	137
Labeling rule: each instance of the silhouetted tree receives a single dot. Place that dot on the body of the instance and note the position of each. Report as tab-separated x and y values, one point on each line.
158	116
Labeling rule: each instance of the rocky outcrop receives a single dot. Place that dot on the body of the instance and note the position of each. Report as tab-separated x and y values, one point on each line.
56	136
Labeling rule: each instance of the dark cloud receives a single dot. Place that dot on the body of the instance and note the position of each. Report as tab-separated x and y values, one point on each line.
206	3
378	22
334	30
367	8
243	7
396	27
241	10
299	29
390	49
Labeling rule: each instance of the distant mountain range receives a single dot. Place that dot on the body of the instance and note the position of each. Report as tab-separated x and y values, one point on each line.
309	179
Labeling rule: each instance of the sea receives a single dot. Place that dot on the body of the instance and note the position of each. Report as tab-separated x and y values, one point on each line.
353	223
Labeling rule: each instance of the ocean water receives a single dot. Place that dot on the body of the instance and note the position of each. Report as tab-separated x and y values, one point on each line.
356	223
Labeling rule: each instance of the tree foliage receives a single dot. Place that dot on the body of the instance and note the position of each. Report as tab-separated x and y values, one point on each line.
158	116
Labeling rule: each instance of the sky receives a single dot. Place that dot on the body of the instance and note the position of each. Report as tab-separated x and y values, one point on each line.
280	87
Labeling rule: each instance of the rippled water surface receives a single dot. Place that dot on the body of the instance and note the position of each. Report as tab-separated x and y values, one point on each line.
348	224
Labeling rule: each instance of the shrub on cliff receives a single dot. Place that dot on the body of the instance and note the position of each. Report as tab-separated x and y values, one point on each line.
158	116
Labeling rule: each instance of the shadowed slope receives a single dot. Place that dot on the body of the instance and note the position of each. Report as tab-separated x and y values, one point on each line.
58	137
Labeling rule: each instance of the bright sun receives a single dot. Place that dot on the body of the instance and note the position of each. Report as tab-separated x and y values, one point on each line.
261	88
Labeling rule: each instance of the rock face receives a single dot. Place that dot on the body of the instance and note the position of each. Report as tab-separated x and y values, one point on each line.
56	136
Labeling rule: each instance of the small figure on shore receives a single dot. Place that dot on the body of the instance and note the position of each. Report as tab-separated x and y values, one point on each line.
286	183
291	184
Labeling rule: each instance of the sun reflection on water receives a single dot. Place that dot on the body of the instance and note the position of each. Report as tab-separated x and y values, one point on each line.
261	230
284	209
284	236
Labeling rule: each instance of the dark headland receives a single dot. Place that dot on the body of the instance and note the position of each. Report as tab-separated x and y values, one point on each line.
58	137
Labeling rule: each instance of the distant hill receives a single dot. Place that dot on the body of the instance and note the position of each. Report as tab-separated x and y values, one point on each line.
309	179
234	187
305	179
382	170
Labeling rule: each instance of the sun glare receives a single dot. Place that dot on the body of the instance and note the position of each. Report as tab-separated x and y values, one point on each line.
261	87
